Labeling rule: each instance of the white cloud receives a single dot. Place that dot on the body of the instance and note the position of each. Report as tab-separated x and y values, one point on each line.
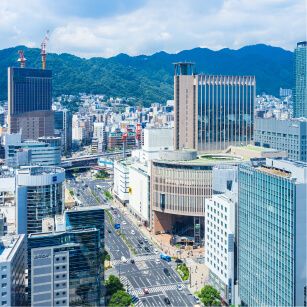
150	26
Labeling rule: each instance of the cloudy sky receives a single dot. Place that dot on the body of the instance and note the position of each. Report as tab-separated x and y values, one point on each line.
89	28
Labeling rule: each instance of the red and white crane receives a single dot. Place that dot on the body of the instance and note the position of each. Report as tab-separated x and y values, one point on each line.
21	59
43	49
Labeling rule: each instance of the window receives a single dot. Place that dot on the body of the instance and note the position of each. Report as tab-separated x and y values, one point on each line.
57	267
4	285
225	209
57	259
3	268
57	294
4	293
64	258
63	275
64	267
4	303
57	276
3	276
226	217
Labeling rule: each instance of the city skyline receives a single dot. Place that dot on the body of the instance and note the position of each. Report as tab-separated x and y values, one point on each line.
145	27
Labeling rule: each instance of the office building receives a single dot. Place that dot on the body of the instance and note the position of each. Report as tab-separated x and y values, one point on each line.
286	135
272	232
45	151
283	92
212	112
39	194
63	268
13	265
73	268
29	102
300	81
63	123
121	181
115	139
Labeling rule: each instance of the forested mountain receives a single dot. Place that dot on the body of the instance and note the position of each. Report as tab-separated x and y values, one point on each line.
150	78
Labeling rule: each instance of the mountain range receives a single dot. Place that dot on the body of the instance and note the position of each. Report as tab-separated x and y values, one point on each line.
150	78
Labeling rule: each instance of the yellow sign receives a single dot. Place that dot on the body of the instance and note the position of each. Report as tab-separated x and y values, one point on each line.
130	190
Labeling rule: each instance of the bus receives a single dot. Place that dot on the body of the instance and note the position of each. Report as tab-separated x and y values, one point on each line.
165	257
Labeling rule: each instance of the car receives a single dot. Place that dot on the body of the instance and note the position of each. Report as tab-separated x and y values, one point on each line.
145	239
139	246
86	186
178	260
167	301
179	287
78	194
109	231
156	251
196	299
81	205
195	246
124	223
145	290
132	261
140	241
158	261
115	212
166	271
147	249
111	208
132	232
123	259
182	247
200	256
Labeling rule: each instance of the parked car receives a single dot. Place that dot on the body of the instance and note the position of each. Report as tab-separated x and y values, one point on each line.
196	299
178	260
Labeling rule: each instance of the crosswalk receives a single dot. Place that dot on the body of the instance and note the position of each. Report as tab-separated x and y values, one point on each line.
136	259
156	289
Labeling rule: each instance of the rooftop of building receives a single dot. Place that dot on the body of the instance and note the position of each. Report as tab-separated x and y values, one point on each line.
56	233
40	170
257	148
274	171
7	244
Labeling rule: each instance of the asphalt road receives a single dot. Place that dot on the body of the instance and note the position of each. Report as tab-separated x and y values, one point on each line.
148	269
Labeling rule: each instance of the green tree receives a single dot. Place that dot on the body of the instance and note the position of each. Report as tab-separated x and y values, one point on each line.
113	285
120	298
76	169
210	296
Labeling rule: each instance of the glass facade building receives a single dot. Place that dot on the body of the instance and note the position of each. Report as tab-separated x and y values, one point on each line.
300	81
29	102
63	123
40	194
212	112
64	268
272	232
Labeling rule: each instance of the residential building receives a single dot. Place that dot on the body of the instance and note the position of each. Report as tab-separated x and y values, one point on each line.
115	139
13	265
39	194
212	112
272	232
63	123
71	279
286	135
30	102
45	151
300	81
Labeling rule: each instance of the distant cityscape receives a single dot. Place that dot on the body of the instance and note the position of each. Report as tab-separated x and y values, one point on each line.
197	201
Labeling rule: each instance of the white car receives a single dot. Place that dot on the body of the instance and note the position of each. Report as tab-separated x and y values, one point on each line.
158	261
179	287
132	232
156	251
124	223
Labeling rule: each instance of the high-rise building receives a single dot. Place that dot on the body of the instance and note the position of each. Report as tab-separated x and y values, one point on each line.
40	194
13	265
29	102
272	232
63	123
300	81
212	112
71	270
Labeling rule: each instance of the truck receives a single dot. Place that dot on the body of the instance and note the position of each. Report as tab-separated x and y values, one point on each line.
165	257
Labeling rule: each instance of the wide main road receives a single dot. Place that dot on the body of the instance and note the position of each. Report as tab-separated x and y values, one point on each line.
148	270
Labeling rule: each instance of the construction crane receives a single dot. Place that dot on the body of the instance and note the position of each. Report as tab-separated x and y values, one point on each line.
21	59
125	136
43	49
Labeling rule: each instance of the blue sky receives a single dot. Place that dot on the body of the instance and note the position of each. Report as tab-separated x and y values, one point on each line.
89	28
